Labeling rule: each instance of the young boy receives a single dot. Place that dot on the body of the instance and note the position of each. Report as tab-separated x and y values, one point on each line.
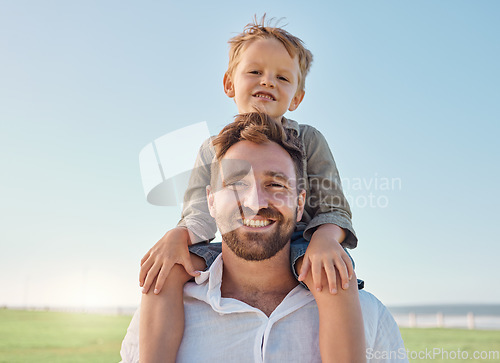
266	73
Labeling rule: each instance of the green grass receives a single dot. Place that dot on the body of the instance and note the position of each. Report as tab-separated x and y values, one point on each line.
43	337
39	336
449	342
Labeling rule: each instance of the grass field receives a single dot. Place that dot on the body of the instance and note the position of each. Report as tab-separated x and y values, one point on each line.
451	344
50	337
43	337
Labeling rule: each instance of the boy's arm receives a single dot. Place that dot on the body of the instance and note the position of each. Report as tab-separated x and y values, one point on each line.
341	329
326	201
195	226
195	215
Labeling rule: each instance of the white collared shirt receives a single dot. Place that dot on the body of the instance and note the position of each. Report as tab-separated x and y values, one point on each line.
228	330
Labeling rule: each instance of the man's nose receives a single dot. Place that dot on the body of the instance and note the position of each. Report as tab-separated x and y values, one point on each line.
255	199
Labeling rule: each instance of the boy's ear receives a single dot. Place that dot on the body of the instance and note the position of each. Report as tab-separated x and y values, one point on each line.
296	100
228	85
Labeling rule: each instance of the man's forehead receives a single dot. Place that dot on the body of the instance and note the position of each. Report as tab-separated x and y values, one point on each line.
266	158
234	167
239	168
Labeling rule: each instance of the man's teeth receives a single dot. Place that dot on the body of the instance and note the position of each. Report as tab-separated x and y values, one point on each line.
264	96
256	223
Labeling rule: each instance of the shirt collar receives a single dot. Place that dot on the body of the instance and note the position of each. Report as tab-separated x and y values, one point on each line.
208	289
291	125
213	275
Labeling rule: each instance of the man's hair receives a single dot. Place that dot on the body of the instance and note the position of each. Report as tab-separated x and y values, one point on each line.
258	128
260	30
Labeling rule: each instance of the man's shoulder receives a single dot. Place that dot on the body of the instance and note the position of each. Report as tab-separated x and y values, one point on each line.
370	305
369	298
381	329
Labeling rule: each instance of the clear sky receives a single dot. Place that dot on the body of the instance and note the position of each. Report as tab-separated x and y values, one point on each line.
406	92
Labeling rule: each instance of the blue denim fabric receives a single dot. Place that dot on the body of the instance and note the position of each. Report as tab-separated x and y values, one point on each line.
207	251
298	246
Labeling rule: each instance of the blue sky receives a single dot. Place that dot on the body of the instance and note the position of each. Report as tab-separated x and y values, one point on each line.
405	91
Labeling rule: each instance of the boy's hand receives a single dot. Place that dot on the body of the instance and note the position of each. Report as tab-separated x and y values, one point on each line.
325	252
172	248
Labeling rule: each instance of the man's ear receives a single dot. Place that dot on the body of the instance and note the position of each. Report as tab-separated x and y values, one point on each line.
296	100
210	200
228	85
301	202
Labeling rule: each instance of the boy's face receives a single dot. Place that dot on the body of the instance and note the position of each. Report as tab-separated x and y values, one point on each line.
265	79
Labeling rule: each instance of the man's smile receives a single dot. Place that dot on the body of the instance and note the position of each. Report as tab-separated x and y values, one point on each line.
257	223
263	220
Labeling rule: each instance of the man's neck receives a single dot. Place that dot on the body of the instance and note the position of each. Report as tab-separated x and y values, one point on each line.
261	284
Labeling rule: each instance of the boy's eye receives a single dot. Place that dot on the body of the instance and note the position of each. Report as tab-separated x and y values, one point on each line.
254	72
281	78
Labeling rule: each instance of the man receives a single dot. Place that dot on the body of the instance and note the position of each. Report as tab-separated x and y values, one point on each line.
248	307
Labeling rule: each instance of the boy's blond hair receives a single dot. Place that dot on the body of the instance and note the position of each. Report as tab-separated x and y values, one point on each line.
259	30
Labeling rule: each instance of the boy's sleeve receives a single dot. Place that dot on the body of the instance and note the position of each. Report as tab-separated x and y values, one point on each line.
326	202
195	214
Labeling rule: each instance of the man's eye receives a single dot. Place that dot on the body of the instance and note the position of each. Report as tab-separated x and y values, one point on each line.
236	185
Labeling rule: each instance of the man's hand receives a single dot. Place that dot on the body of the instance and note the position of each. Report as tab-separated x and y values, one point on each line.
172	248
325	252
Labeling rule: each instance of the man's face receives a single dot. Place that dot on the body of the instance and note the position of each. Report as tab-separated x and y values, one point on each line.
255	202
265	79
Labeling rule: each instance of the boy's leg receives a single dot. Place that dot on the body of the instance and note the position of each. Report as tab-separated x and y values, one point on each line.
341	329
162	316
206	251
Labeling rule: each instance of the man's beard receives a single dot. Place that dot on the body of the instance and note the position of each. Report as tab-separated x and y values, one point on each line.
258	246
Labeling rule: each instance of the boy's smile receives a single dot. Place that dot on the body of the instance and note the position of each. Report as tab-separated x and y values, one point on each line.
265	79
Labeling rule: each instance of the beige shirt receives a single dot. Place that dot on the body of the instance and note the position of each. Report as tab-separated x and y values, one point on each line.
325	200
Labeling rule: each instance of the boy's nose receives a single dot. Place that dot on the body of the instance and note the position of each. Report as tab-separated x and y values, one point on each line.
267	82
